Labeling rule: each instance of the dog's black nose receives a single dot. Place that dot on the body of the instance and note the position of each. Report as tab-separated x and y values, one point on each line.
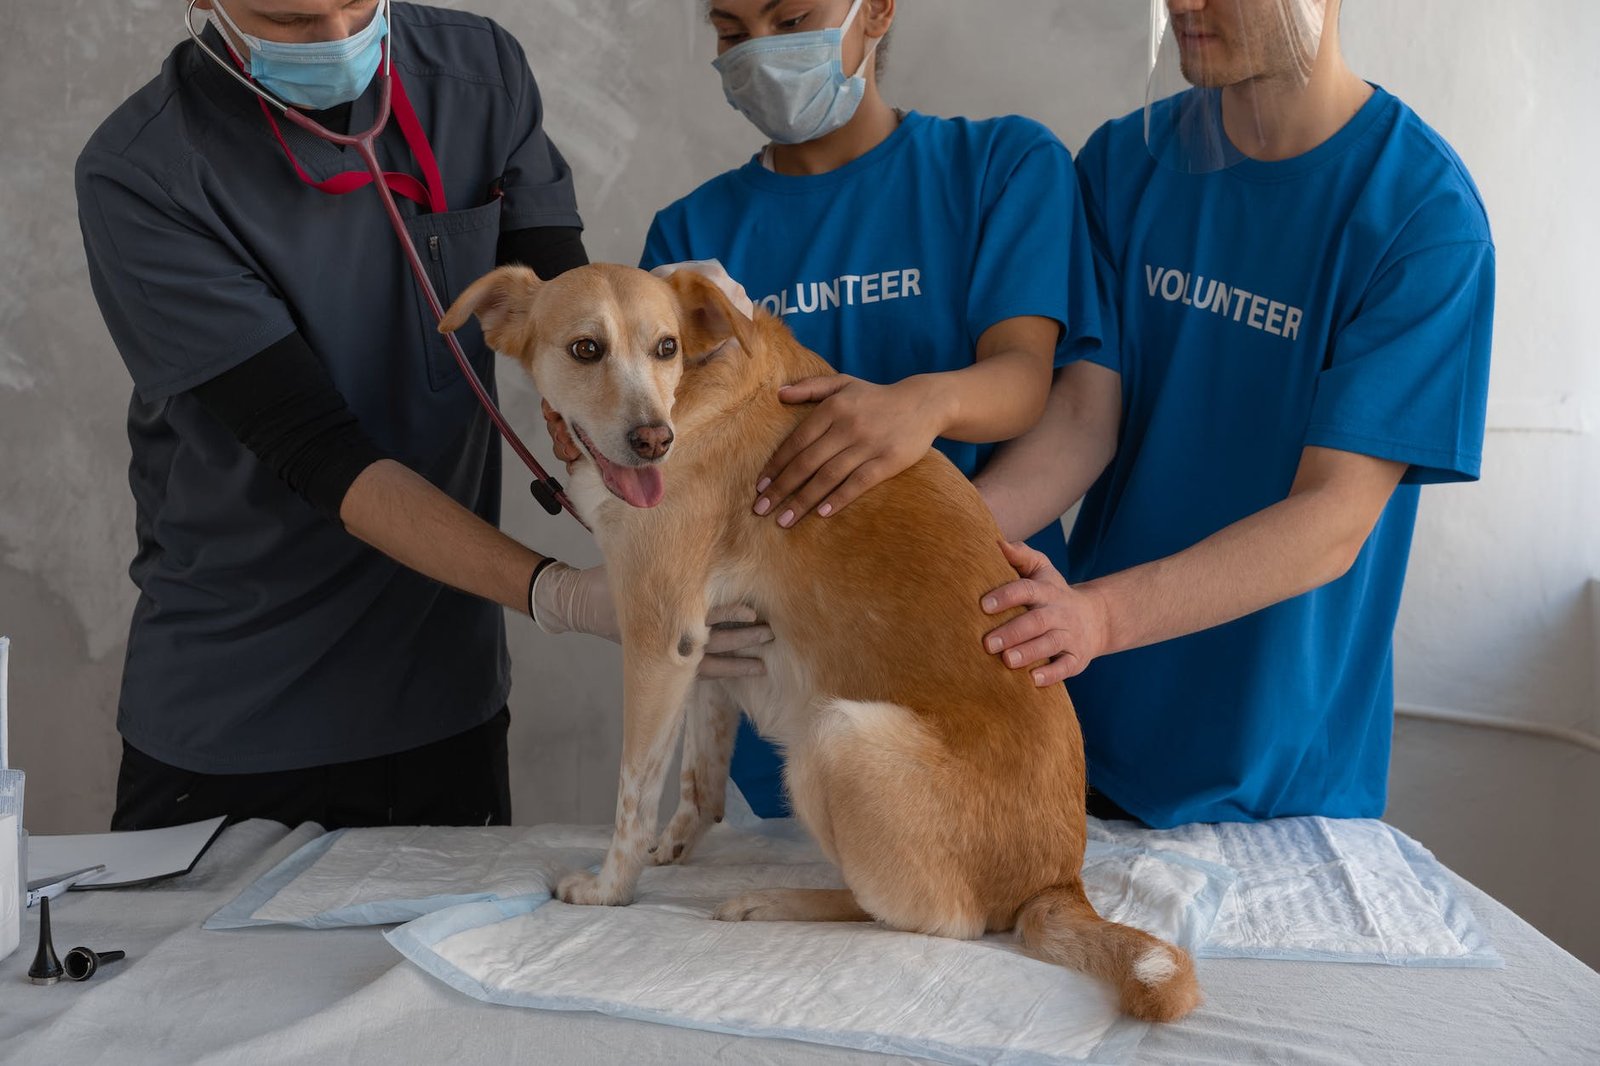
650	442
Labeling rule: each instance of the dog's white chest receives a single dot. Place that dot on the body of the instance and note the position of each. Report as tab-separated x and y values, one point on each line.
589	494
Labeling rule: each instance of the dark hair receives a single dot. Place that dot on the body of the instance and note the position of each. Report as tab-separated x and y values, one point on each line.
880	56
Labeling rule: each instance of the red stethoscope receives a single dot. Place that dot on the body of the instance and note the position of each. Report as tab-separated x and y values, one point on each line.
429	193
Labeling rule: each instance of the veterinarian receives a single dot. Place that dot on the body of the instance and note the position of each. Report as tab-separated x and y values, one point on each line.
319	632
1298	291
941	264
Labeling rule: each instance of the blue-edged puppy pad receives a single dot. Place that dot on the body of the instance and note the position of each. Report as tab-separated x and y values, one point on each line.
854	985
386	875
1325	890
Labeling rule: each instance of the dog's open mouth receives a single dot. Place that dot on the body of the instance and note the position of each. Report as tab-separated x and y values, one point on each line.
636	486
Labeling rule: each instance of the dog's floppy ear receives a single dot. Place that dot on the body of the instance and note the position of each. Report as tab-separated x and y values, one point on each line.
708	318
500	299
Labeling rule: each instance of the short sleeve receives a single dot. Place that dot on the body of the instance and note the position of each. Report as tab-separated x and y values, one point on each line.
659	245
181	298
1408	379
536	181
1091	167
1033	253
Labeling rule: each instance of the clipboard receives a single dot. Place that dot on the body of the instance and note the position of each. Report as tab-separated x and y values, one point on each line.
131	859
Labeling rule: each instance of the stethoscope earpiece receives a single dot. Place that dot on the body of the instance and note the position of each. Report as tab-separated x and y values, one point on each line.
82	963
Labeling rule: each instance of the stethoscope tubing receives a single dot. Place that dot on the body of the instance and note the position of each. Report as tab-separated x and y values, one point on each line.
546	489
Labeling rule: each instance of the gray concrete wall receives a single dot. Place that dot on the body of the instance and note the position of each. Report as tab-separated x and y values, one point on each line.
1498	617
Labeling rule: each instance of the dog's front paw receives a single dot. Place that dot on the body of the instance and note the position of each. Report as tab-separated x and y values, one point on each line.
589	890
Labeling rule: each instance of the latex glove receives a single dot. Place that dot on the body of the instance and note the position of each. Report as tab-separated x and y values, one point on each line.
858	436
736	630
566	599
1064	629
718	275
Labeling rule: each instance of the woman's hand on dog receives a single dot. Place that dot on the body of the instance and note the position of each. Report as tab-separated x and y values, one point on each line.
1064	628
859	435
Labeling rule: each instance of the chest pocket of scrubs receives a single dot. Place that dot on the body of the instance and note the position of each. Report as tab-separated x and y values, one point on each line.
457	248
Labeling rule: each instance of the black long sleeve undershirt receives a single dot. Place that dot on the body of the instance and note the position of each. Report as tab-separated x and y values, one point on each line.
281	404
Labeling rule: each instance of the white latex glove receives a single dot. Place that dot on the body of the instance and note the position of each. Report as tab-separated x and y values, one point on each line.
714	271
565	599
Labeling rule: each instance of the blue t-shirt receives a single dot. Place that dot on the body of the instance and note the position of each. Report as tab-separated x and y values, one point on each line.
895	264
1341	299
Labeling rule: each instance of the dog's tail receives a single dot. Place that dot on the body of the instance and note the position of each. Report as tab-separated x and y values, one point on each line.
1154	979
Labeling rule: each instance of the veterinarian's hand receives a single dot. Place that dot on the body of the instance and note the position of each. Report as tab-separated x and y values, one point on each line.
736	631
1064	629
860	435
566	599
561	441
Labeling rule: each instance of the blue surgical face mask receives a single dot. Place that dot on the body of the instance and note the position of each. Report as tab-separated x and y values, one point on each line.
320	74
792	86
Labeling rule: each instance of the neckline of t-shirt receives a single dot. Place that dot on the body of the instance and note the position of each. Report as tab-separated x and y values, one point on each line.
1378	104
770	180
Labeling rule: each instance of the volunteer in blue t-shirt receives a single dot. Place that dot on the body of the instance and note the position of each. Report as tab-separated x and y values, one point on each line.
941	264
1297	287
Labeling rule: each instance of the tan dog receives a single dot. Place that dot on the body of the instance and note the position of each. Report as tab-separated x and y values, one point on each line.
948	789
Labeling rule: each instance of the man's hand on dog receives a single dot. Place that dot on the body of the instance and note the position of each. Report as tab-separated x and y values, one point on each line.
1064	629
860	435
565	599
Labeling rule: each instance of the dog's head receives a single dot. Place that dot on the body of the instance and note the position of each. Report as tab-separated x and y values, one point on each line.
606	346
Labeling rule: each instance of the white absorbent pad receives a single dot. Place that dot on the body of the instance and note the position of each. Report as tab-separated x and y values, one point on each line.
1324	889
382	876
1318	889
848	984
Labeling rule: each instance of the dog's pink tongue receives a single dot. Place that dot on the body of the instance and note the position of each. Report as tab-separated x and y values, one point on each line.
637	486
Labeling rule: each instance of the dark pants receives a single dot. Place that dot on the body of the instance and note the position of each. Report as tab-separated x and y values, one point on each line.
460	780
1103	807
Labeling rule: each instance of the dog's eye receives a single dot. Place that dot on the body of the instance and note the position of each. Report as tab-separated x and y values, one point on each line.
585	350
668	348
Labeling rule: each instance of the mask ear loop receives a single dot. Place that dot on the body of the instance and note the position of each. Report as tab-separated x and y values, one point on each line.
229	68
872	42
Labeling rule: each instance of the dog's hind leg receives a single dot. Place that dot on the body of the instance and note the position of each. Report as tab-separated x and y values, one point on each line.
711	719
793	905
869	781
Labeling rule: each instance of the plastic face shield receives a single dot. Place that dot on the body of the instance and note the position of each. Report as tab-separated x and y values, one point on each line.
1225	75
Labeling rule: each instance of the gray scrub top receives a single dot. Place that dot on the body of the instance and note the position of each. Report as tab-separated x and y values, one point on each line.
265	637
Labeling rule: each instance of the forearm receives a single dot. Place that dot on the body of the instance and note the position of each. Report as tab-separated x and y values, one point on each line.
1292	547
404	516
993	399
1031	481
